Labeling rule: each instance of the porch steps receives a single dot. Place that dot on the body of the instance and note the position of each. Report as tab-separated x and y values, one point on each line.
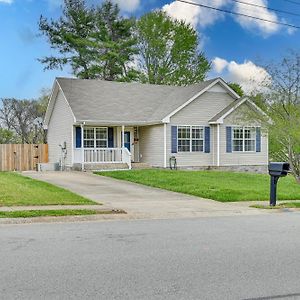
138	166
102	166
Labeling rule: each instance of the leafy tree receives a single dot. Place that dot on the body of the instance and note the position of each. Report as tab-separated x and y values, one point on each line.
7	136
237	88
169	51
70	36
280	100
113	44
96	42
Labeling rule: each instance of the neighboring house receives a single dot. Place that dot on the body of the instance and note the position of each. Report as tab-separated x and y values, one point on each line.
94	124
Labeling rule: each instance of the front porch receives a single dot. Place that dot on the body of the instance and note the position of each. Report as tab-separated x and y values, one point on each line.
100	147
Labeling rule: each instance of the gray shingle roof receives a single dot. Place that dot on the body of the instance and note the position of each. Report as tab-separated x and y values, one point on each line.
107	101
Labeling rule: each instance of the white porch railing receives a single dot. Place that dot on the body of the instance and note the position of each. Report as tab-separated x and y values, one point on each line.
126	157
103	155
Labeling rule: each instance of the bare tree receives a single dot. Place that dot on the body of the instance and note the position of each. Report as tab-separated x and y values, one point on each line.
24	118
281	102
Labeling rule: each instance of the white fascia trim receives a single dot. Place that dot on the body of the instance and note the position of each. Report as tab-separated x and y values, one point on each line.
245	99
221	120
49	109
166	119
230	90
259	109
74	119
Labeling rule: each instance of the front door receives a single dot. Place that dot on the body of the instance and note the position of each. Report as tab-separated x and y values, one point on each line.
127	140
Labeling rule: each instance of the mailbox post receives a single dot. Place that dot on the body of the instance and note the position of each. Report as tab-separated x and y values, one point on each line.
276	170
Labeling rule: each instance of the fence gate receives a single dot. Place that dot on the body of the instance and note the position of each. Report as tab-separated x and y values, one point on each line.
22	157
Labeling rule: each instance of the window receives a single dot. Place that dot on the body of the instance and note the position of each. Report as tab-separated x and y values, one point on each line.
101	137
184	134
190	139
95	137
244	139
88	136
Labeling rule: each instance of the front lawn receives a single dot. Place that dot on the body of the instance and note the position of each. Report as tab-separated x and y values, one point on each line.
220	186
18	190
52	213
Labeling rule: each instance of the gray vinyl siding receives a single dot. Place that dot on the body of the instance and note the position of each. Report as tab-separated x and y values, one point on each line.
202	109
60	130
242	158
198	113
151	145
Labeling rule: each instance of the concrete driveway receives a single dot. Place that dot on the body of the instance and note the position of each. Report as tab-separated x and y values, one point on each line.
140	202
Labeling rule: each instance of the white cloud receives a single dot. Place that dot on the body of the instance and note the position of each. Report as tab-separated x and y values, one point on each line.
195	15
128	5
250	76
266	28
219	64
6	1
201	16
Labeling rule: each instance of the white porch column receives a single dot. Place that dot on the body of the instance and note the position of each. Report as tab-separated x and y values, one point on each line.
123	142
82	147
123	136
218	145
165	145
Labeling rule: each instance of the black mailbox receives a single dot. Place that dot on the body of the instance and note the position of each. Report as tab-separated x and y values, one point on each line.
276	170
280	169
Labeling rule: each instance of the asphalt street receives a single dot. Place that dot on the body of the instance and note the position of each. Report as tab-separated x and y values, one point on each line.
237	257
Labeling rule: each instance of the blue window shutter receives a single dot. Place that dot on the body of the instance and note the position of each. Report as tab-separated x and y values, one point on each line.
228	139
207	139
78	137
258	139
110	137
174	139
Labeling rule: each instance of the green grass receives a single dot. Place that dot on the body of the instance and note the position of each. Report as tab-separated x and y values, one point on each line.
281	205
18	190
220	186
290	205
50	213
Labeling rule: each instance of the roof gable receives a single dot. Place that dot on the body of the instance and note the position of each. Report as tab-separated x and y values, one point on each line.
211	85
219	117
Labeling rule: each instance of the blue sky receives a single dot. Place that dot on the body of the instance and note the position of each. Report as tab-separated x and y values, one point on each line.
235	45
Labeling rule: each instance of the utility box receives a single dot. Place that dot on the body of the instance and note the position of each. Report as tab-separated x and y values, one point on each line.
43	167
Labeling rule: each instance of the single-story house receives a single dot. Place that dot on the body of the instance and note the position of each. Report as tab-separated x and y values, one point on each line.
95	124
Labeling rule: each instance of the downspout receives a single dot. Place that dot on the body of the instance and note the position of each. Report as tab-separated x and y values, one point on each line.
165	145
82	146
218	145
123	142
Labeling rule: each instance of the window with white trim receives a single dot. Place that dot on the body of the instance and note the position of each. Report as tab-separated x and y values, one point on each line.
190	139
244	139
95	137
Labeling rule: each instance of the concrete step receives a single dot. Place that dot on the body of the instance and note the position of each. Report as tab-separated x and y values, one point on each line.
105	166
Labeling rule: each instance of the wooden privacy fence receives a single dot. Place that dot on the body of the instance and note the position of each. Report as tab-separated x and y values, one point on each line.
22	157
